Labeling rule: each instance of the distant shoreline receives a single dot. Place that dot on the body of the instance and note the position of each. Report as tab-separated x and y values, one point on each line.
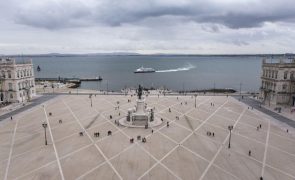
137	54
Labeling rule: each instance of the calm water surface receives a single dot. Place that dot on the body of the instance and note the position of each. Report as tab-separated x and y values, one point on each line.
175	72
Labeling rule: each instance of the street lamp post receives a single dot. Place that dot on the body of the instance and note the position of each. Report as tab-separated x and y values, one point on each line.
90	96
98	85
196	101
230	128
52	86
214	88
125	90
240	89
45	126
107	87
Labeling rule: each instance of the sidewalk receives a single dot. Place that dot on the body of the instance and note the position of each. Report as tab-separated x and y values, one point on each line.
12	107
286	111
18	108
278	116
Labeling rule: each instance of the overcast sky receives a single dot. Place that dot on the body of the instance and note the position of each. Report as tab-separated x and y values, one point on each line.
147	26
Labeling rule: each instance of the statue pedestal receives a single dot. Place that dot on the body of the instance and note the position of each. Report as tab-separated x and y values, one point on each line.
140	116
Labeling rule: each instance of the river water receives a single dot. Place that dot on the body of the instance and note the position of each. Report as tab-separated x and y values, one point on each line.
173	72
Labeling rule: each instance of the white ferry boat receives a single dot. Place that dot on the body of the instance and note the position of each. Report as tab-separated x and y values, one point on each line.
144	70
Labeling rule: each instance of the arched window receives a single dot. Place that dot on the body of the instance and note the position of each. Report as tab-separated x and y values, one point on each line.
17	74
272	74
292	75
10	86
285	74
3	74
11	96
9	74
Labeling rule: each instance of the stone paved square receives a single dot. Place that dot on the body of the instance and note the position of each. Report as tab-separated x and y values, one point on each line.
83	160
159	171
184	150
190	167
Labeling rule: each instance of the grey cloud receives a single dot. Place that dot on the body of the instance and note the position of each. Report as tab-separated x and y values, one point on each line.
212	28
242	20
133	11
235	14
239	42
53	15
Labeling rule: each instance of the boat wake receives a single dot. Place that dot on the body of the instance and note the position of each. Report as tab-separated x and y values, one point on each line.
185	68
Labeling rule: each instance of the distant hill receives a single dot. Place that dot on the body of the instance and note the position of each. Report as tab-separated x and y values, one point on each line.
71	55
138	54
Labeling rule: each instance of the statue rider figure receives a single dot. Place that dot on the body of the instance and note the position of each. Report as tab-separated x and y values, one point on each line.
139	92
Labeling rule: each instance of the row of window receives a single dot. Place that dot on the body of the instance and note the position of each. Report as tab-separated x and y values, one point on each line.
24	73
21	85
268	85
274	74
3	74
270	74
272	86
21	94
25	84
291	75
20	73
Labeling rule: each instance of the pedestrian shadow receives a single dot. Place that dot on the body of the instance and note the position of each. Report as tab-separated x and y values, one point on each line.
93	120
189	123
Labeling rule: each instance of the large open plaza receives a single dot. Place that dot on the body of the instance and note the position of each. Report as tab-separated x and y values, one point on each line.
86	142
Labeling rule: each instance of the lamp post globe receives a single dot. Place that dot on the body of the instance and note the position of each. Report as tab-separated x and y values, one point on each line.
44	125
230	127
90	97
